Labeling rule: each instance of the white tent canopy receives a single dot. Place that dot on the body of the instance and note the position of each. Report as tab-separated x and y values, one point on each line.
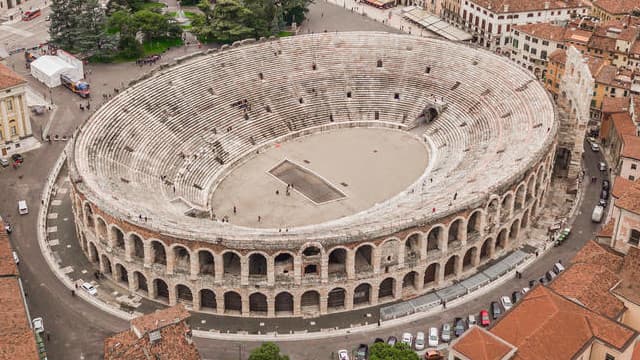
47	69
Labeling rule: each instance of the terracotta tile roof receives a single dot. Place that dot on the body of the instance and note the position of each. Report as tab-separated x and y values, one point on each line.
617	7
602	43
577	35
8	78
7	265
636	352
594	253
607	230
622	185
558	56
595	65
480	344
615	104
629	201
631	148
629	287
17	340
589	284
623	124
635	48
173	343
545	31
506	6
542	317
154	321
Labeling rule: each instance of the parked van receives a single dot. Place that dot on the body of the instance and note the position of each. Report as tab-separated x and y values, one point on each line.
22	207
558	268
596	216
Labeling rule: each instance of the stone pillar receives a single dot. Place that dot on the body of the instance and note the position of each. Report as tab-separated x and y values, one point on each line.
420	281
423	248
323	303
398	289
218	268
374	294
148	254
348	298
476	258
297	269
152	289
245	304
244	270
297	304
271	271
351	264
128	249
102	265
171	260
219	304
401	248
324	268
444	241
375	259
271	306
173	296
194	267
133	281
439	274
196	300
462	233
458	266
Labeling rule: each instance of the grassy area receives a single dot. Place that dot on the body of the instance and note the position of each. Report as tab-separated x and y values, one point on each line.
159	46
285	33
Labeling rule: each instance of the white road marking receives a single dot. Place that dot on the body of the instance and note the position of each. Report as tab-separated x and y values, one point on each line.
83	271
54	242
56	202
52	229
52	216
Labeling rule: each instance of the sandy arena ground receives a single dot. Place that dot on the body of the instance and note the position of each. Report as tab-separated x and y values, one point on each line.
375	164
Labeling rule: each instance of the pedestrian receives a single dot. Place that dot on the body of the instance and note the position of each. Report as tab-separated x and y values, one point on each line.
444	304
455	196
234	209
76	285
259	218
48	336
139	216
277	192
145	219
378	322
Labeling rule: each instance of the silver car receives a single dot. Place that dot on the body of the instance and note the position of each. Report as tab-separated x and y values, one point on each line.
445	335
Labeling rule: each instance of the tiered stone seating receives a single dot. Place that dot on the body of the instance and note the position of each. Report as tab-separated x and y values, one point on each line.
172	135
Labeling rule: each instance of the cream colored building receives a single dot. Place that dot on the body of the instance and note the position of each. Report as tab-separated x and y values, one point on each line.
14	114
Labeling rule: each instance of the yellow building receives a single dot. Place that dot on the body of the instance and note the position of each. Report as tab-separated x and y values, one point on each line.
613	9
14	114
555	71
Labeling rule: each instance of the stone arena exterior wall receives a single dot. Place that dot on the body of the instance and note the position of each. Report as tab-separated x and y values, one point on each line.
312	279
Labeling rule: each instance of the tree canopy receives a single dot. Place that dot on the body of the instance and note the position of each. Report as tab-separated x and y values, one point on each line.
267	351
400	351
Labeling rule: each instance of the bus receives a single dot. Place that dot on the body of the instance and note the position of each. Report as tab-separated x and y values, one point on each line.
31	14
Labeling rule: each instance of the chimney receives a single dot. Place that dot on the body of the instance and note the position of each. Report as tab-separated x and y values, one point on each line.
546	5
506	7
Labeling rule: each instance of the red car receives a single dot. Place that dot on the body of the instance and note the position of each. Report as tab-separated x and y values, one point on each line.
484	318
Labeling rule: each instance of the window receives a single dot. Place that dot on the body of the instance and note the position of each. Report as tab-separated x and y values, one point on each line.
14	131
501	17
535	40
427	70
543	54
633	166
527	38
534	51
634	239
632	178
545	43
526	47
349	94
379	63
9	104
530	15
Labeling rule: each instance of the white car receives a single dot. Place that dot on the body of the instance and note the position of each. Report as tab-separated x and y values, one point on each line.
506	303
471	320
595	147
343	355
38	325
419	345
89	288
433	337
525	290
16	258
407	338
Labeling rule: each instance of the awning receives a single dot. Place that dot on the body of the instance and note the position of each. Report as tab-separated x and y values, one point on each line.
433	23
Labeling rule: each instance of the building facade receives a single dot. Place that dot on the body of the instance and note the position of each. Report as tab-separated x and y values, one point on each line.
532	44
14	114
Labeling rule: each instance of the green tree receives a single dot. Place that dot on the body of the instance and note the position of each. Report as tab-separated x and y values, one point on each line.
78	26
295	10
267	351
400	351
231	21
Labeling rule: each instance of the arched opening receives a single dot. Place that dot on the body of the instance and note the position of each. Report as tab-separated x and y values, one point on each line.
412	252
379	63
141	280
514	230
311	269
492	213
502	240
283	266
106	265
258	304
102	231
182	260
409	284
208	300
468	259
231	265
93	253
363	261
362	295
122	274
531	190
389	254
257	265
338	263
450	267
434	238
311	257
183	294
335	299
505	207
118	237
83	241
159	255
310	302
431	274
455	234
162	290
138	247
487	249
520	197
311	251
474	225
387	289
206	263
284	304
525	219
232	302
88	212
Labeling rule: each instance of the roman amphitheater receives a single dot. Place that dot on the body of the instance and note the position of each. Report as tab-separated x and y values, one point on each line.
312	174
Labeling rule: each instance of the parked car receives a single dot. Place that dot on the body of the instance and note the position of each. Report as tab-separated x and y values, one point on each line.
343	355
595	147
471	320
363	352
378	340
17	158
506	303
459	327
445	335
407	338
433	354
15	257
602	202
419	343
558	268
516	296
495	310
8	228
4	162
38	325
23	209
596	215
484	318
532	283
604	194
605	185
89	288
550	275
433	337
602	166
525	290
392	340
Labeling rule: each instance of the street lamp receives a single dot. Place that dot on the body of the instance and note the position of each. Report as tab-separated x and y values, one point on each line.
51	96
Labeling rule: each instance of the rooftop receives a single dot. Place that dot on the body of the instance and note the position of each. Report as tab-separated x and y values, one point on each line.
159	319
546	31
629	286
8	78
558	56
617	7
594	253
621	185
607	230
576	35
507	6
543	316
631	148
623	124
615	104
480	344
